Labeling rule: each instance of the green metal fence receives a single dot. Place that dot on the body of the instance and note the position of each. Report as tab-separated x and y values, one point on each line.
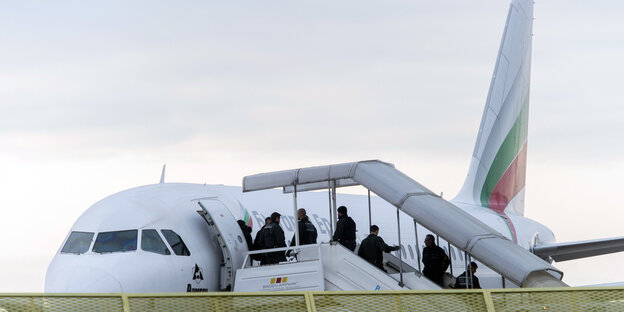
547	299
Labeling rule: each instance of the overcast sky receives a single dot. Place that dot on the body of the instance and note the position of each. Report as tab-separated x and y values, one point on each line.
96	96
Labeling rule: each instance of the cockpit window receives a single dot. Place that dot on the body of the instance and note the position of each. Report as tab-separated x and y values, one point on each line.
78	242
177	245
151	241
118	241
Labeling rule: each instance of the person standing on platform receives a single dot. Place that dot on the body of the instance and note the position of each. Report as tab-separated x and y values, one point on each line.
372	247
273	236
307	230
463	281
258	242
345	229
435	260
247	233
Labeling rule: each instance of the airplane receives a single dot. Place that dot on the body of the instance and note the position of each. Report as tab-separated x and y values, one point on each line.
151	239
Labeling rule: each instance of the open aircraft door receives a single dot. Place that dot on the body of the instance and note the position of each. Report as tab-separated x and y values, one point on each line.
229	236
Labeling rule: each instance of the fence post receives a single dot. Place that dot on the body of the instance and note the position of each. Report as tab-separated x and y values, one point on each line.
489	303
309	300
125	303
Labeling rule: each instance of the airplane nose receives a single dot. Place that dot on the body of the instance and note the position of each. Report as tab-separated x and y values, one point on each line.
81	280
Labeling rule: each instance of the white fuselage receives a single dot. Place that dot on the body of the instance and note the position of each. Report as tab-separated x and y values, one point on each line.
173	206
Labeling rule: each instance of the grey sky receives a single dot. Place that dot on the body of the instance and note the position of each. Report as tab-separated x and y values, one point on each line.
96	96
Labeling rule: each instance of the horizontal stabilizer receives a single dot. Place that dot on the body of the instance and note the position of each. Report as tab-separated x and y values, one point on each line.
580	249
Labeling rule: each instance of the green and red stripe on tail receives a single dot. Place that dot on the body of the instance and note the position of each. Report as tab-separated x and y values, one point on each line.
507	174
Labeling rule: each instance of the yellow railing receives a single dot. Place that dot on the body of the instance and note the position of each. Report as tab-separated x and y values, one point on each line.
547	299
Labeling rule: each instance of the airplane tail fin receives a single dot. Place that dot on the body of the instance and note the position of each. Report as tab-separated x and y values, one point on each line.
496	177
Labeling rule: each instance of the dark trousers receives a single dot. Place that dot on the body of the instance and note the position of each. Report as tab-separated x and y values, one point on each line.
272	258
350	244
435	277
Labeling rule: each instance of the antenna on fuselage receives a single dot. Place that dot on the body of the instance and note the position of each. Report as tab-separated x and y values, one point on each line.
162	175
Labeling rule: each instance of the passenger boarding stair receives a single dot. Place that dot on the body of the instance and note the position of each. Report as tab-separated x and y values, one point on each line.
452	224
324	267
345	270
316	267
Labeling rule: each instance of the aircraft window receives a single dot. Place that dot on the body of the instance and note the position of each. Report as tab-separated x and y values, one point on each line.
403	252
118	241
151	241
78	242
176	243
409	247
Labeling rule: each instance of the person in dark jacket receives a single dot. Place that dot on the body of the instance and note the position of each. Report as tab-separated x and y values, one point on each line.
435	260
466	282
307	230
258	242
372	246
247	233
345	229
273	237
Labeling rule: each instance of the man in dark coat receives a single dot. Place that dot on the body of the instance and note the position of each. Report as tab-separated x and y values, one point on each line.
307	230
345	229
247	233
372	246
258	242
273	236
468	282
435	260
